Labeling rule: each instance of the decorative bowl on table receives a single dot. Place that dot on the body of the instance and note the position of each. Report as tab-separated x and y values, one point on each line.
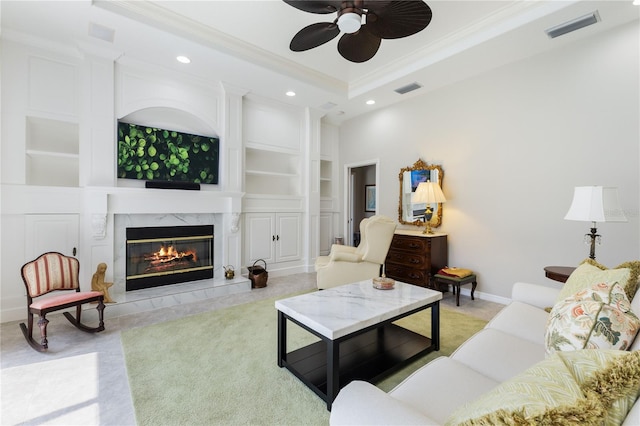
383	283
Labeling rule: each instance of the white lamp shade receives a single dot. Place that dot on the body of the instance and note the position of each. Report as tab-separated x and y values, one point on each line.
595	204
428	192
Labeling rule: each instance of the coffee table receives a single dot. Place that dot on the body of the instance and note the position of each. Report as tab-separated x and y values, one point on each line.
358	340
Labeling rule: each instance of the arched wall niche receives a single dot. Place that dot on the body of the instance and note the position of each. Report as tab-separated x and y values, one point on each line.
171	118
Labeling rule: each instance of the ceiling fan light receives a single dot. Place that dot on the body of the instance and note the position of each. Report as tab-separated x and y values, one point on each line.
349	22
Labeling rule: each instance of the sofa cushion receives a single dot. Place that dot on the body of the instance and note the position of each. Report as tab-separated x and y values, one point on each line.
586	275
439	387
498	355
633	283
578	387
521	320
354	402
597	318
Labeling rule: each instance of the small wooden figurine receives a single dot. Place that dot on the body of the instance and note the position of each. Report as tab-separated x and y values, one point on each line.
98	284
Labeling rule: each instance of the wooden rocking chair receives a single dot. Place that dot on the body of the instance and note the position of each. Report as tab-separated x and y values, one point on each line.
56	272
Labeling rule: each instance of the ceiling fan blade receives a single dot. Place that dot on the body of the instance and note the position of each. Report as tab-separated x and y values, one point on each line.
314	35
360	46
397	19
312	6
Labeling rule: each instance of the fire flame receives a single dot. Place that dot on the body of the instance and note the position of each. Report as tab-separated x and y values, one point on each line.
170	253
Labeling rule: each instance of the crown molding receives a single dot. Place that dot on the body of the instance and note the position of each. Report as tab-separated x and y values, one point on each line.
164	19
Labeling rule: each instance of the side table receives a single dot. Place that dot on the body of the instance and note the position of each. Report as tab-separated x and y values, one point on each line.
558	273
456	283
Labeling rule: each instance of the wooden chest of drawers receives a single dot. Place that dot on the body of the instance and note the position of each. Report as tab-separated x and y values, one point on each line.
415	257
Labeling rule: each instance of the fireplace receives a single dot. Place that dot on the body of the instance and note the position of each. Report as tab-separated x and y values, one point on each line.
163	255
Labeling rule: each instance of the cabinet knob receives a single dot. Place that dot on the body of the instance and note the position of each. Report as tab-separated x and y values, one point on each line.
74	251
277	237
273	238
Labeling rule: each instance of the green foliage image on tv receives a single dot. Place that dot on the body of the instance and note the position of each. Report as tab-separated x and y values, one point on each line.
149	153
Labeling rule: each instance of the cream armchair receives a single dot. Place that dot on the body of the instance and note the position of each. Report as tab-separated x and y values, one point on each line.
346	264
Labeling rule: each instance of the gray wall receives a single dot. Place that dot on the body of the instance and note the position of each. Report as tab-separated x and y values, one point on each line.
513	143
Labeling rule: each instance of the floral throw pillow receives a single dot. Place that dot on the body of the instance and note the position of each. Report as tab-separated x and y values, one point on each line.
587	275
595	318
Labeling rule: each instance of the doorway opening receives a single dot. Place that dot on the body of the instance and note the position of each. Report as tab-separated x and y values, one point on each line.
361	195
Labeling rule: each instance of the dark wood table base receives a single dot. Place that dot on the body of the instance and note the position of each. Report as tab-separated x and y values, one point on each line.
369	354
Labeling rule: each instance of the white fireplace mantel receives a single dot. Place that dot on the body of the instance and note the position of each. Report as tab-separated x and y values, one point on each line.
161	201
97	208
29	199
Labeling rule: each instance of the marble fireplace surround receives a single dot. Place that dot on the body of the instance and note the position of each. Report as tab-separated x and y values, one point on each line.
138	207
124	221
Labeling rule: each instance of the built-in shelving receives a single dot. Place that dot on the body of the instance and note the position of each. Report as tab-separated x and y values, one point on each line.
52	152
326	178
272	172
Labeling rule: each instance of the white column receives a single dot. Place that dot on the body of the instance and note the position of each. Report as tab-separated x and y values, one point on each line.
232	173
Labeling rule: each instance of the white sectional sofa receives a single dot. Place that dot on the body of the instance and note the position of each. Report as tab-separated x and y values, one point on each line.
510	344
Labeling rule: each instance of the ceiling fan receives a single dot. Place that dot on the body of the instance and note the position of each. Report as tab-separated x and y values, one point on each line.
383	19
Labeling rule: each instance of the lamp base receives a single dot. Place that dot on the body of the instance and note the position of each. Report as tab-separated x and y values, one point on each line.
594	237
428	214
427	229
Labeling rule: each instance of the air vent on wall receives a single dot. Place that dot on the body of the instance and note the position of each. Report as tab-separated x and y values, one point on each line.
408	88
575	24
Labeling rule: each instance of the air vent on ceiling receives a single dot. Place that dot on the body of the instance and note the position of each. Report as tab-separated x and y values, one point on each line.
101	32
408	88
575	24
327	106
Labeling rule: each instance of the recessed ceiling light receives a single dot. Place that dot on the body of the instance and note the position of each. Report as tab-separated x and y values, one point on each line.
291	93
371	102
636	2
183	59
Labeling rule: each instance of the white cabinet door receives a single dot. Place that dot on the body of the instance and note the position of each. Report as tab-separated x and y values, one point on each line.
288	236
51	232
260	237
274	237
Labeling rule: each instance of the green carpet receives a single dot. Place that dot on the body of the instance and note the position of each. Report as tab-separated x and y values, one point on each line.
219	368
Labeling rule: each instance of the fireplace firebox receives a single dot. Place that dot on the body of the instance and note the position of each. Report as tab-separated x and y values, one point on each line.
163	255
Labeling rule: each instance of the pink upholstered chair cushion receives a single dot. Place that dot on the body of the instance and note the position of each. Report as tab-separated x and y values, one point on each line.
51	271
70	297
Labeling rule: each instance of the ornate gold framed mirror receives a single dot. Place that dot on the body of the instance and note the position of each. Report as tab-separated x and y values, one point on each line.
410	212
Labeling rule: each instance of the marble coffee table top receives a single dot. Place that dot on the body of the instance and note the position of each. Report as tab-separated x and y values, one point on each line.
342	310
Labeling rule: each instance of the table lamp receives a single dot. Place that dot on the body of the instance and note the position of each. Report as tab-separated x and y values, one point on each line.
595	204
428	192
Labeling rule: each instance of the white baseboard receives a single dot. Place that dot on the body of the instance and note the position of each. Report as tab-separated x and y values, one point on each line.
486	296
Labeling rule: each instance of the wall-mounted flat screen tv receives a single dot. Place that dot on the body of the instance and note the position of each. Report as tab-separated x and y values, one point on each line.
418	176
153	154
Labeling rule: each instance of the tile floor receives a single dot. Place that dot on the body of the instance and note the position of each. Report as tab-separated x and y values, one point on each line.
82	379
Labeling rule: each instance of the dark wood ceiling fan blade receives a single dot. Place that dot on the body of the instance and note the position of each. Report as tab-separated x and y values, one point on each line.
397	19
360	46
314	35
313	6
